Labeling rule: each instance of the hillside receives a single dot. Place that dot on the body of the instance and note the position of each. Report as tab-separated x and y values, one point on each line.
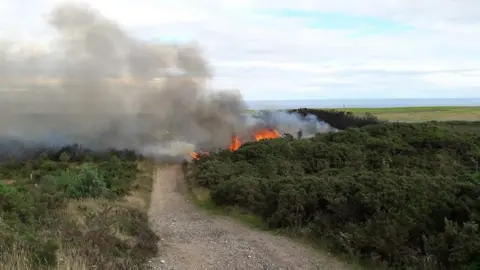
403	194
75	209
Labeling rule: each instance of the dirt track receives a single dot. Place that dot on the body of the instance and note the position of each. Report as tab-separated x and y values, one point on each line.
194	239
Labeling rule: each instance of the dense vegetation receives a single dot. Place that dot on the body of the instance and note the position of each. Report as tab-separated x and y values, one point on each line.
74	209
401	193
339	119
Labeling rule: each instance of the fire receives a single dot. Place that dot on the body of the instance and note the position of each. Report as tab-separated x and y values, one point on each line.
235	144
266	134
196	155
262	134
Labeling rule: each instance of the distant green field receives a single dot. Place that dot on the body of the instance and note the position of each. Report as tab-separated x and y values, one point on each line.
465	119
414	114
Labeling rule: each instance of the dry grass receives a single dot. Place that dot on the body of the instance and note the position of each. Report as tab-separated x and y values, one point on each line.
68	259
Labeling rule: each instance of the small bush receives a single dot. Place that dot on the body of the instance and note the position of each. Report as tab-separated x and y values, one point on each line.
79	183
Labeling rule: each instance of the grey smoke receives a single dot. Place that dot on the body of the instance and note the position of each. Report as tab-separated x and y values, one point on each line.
290	123
116	91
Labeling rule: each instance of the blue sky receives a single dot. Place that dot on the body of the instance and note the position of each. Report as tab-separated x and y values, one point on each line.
360	25
302	49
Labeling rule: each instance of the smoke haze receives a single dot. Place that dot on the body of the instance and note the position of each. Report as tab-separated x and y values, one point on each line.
98	86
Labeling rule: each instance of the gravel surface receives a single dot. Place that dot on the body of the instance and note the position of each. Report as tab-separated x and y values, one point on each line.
194	239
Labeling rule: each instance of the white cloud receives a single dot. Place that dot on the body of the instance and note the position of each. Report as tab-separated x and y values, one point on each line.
272	58
454	79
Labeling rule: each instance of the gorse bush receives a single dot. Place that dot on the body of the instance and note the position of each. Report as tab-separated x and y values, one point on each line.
407	194
112	178
80	183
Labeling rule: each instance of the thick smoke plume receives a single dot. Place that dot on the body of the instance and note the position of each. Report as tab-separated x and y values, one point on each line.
98	86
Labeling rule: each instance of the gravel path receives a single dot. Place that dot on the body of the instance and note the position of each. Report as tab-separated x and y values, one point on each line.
194	239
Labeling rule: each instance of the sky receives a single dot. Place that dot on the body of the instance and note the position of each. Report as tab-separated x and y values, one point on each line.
303	49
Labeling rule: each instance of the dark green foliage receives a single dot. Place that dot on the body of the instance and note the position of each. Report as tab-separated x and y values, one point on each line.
408	194
338	119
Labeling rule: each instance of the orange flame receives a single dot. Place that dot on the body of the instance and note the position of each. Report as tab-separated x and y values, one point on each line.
266	134
235	144
262	134
196	155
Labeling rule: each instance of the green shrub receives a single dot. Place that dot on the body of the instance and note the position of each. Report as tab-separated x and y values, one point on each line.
82	183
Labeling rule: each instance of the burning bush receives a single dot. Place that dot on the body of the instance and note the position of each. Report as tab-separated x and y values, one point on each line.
404	193
262	134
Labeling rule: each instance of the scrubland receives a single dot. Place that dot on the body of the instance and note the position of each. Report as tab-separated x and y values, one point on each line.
75	209
398	195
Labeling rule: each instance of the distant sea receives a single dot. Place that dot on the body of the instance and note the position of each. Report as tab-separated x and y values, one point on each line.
359	103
